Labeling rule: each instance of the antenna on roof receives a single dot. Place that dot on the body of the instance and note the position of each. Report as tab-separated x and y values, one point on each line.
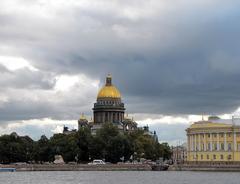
233	122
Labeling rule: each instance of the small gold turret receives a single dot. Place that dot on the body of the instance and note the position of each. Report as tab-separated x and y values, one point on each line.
82	117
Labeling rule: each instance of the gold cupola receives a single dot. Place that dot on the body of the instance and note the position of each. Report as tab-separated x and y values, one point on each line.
109	90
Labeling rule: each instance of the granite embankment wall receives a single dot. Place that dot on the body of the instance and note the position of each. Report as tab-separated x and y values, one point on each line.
206	167
81	167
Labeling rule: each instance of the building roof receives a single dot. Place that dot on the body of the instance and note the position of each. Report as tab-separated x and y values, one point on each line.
209	124
109	90
216	123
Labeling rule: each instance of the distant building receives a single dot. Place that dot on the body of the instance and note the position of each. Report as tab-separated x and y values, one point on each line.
214	140
179	154
109	108
83	122
66	130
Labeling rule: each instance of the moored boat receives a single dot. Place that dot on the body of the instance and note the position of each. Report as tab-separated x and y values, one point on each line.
160	167
7	169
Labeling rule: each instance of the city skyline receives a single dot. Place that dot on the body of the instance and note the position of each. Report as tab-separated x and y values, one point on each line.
172	62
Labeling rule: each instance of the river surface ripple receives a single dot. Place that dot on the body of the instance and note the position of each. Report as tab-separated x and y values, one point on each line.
120	177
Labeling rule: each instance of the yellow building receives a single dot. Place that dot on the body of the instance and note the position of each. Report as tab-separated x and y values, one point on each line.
214	140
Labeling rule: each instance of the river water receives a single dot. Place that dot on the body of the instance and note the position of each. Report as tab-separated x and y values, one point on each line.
120	177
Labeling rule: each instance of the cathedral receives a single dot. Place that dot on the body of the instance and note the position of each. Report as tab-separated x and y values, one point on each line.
108	108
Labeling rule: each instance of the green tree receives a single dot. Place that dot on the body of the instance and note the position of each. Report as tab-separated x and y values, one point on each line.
84	138
65	145
165	151
14	148
42	149
110	144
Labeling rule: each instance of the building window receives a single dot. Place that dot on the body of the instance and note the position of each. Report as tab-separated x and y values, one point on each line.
214	146
229	134
229	157
229	146
207	156
221	157
208	135
215	135
201	157
238	146
214	157
202	135
222	146
222	135
209	146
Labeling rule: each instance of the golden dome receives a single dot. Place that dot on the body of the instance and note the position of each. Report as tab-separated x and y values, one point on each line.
109	91
82	117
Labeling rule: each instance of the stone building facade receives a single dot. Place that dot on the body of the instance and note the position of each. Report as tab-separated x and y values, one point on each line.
179	154
214	140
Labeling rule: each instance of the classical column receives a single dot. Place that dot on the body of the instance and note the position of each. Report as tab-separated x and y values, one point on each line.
108	115
192	142
96	120
192	149
205	142
114	117
199	141
111	117
225	141
195	142
103	117
218	144
188	142
211	142
234	141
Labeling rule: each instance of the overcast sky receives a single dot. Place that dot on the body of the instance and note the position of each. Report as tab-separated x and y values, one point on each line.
171	60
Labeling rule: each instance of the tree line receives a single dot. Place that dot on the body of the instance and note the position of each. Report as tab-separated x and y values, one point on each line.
108	144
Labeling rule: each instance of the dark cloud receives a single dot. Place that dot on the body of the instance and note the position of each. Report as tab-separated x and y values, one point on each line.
26	79
165	57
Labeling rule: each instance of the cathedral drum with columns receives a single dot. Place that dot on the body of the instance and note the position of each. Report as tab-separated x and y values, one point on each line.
215	140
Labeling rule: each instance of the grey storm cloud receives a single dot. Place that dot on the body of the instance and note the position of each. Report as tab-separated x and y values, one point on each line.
165	57
27	79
